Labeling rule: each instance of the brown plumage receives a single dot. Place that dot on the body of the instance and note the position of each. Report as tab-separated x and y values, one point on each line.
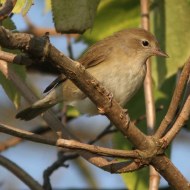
118	62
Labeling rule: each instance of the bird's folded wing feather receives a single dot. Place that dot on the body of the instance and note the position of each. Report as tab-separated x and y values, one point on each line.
61	78
96	54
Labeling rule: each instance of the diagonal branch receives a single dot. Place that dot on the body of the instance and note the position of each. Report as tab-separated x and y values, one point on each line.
177	96
179	123
20	173
163	165
7	8
9	73
41	48
94	159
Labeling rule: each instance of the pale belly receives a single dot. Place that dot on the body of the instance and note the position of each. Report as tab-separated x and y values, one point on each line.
122	86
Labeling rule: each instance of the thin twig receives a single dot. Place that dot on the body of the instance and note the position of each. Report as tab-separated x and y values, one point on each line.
106	131
149	97
39	31
7	8
111	166
41	48
10	142
179	123
17	59
20	173
177	96
60	162
101	162
69	47
186	94
52	121
71	144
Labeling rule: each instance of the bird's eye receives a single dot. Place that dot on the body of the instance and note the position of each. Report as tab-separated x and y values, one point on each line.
145	43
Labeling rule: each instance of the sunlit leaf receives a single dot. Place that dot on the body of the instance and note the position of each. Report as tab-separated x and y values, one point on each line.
86	172
72	112
7	85
138	180
9	24
47	6
23	6
27	7
172	33
113	16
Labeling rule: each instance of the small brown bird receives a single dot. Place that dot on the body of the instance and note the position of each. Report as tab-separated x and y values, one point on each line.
118	62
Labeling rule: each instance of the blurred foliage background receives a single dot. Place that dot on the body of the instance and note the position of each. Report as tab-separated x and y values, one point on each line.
95	20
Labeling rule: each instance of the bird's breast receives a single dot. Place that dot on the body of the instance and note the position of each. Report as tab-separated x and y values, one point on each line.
122	79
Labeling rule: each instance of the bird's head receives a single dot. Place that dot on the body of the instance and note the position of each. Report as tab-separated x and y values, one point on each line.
142	42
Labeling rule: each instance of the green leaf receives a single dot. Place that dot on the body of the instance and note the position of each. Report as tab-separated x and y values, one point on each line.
138	180
72	112
87	173
9	86
113	16
27	7
171	31
47	6
72	16
9	24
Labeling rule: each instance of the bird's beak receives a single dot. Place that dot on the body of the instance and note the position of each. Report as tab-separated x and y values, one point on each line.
159	52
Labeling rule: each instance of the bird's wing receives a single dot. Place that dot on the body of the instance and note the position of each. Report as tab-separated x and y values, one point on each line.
61	78
96	54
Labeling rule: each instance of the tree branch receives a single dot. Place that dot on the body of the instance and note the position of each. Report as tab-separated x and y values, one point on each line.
177	96
94	159
179	123
57	164
70	144
7	8
17	59
41	48
9	143
164	166
13	141
20	173
112	166
39	31
9	73
154	178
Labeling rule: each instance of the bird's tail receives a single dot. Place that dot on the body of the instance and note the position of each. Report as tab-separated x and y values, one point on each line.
36	109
